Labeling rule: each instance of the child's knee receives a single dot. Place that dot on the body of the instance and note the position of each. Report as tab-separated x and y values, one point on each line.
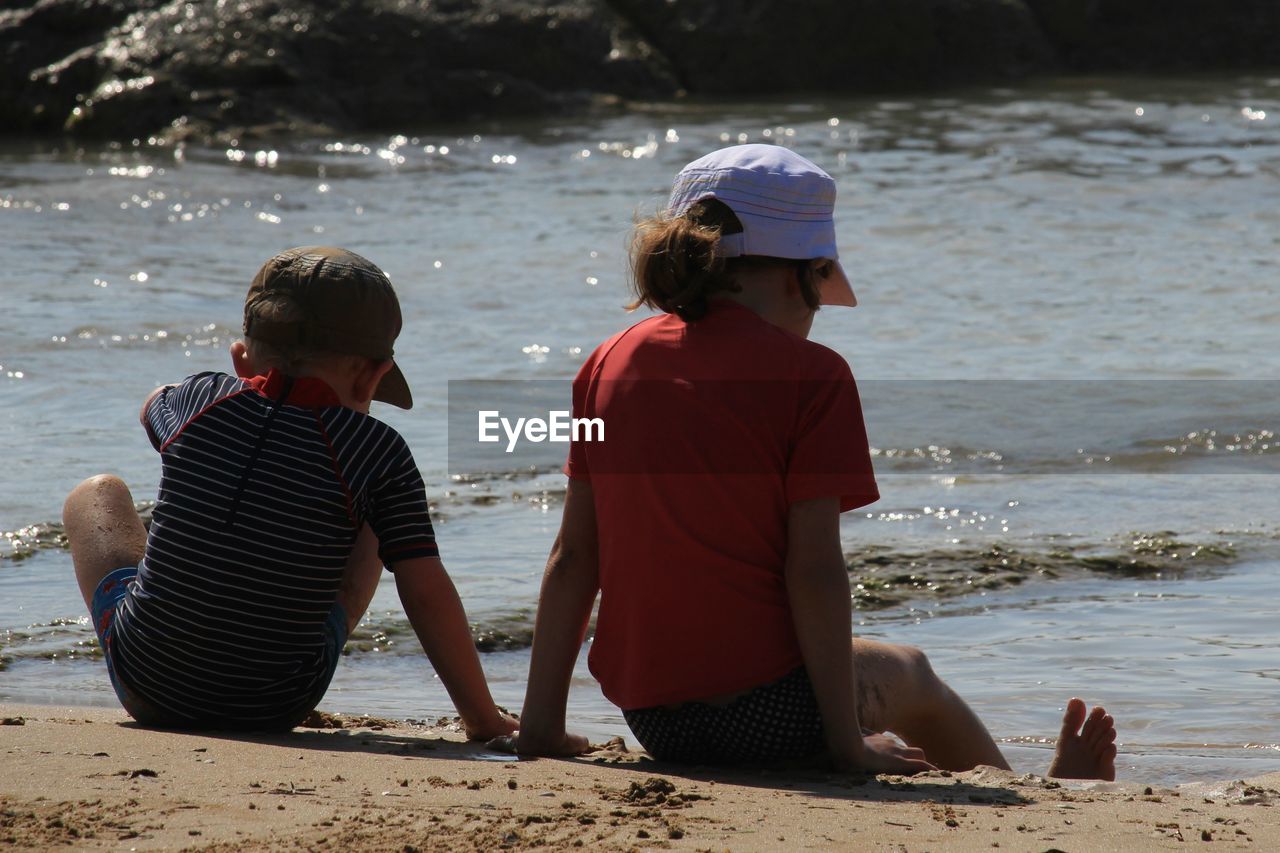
97	488
98	517
915	660
918	672
109	486
87	493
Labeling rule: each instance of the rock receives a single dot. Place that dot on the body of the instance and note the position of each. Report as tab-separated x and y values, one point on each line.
1160	35
200	68
732	46
46	57
135	69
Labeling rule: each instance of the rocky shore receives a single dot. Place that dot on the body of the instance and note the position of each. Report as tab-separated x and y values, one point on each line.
129	69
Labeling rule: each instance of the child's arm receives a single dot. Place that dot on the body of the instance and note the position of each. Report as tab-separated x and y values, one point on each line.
431	602
569	587
818	589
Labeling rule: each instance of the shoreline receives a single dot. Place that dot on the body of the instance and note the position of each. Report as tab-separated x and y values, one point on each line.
89	778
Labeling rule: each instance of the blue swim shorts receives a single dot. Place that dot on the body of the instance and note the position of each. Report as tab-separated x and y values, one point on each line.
106	598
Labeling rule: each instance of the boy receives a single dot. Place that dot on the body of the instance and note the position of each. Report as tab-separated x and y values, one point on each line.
280	501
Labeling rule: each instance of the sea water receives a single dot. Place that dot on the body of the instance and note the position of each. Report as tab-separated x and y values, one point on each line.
1065	342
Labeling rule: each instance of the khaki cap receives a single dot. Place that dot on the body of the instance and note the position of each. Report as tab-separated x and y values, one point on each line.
348	307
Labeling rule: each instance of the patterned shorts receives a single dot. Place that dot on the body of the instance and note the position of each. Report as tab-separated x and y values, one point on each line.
111	589
775	722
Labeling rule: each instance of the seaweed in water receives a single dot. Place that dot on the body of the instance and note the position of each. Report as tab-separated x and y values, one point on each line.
881	578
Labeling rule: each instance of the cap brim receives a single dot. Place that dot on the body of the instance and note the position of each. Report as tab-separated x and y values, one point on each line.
835	288
394	389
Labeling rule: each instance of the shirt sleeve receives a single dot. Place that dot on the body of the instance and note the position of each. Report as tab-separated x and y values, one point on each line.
170	410
830	456
399	514
583	407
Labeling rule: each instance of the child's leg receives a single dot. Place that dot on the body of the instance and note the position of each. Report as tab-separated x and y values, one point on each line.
104	531
360	577
898	691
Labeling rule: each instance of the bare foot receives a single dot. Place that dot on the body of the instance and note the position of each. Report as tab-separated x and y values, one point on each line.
1086	746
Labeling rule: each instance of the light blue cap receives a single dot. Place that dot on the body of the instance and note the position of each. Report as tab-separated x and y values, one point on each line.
784	202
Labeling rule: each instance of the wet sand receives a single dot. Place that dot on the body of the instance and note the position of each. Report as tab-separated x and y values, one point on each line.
88	778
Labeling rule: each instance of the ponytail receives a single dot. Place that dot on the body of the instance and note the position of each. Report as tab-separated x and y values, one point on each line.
674	266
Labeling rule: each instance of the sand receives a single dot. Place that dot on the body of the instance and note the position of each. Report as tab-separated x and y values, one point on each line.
89	778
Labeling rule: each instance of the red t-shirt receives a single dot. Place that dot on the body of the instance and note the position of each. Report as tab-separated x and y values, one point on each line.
711	430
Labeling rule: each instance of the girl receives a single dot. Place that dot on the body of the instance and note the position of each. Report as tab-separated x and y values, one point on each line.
708	520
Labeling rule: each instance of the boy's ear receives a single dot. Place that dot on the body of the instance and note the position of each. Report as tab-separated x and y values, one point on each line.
366	380
240	361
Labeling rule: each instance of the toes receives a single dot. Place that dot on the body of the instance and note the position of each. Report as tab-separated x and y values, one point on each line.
1073	718
1094	725
1096	730
1086	746
1102	741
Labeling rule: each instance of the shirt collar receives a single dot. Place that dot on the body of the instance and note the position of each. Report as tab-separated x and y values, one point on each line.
307	391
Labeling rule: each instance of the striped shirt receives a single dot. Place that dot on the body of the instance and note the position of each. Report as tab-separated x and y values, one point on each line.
265	485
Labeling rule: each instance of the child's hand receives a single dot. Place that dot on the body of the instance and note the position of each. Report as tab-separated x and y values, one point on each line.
883	753
496	725
526	743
